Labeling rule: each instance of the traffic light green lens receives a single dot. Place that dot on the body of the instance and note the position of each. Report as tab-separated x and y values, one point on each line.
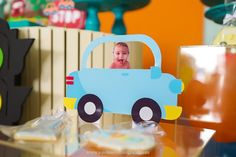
1	57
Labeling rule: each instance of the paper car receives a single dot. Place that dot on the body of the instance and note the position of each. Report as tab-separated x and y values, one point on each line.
146	94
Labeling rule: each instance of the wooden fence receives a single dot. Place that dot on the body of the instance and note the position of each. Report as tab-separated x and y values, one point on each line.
55	53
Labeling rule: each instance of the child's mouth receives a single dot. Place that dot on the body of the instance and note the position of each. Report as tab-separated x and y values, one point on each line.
121	60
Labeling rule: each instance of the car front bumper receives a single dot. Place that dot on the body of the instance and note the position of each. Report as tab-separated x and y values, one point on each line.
172	112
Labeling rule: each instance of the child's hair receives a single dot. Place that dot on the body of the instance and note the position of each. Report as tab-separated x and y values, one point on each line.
121	44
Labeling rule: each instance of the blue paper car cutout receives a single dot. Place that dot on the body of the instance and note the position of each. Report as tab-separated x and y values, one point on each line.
146	94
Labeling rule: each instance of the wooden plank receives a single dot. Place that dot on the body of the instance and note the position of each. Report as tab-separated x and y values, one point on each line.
130	54
136	49
85	39
46	70
24	34
107	119
73	51
58	68
34	63
119	118
108	53
98	52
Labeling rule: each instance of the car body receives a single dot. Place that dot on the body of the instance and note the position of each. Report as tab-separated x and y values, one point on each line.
120	90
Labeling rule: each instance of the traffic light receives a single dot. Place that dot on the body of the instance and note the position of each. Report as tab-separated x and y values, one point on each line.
12	56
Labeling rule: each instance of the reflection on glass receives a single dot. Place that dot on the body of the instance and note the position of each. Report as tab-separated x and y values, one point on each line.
178	140
209	96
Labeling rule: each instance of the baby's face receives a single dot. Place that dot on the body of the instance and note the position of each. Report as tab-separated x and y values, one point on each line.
121	53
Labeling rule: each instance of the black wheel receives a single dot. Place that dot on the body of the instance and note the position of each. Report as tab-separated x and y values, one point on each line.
90	108
146	109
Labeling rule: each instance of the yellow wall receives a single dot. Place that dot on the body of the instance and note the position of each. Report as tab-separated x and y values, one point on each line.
171	23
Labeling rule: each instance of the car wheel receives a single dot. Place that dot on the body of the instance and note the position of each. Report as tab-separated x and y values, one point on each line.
90	108
146	109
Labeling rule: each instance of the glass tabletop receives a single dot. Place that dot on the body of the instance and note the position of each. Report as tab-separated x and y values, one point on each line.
178	140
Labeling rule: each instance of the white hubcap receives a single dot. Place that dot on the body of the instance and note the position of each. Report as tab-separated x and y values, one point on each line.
146	113
90	108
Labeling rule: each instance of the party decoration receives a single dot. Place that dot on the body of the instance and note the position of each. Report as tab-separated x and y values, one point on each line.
17	8
62	13
12	55
146	94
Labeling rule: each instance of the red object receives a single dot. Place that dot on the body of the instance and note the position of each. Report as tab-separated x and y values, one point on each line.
17	8
61	13
68	18
69	78
69	82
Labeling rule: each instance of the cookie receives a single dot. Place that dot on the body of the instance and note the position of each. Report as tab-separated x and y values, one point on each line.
122	141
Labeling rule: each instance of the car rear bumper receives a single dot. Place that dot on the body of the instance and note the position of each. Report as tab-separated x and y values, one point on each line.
69	103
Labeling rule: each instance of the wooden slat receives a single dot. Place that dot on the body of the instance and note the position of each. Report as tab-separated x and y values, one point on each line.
58	68
73	51
130	58
136	49
108	53
98	52
34	63
119	118
46	70
24	34
85	39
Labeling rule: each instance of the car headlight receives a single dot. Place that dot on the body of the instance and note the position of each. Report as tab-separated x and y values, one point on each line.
176	86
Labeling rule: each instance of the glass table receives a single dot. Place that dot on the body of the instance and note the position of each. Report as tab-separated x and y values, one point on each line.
179	140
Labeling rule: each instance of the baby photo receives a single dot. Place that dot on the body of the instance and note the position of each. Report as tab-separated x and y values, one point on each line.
120	56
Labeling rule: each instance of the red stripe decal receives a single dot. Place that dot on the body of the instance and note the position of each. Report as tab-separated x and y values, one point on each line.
69	82
69	77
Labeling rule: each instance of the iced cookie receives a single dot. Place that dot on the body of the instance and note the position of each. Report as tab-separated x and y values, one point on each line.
123	141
